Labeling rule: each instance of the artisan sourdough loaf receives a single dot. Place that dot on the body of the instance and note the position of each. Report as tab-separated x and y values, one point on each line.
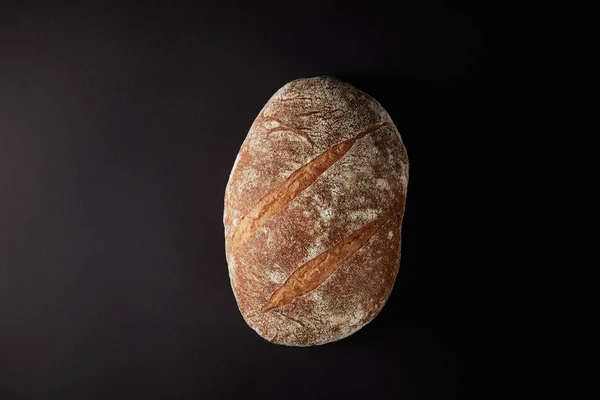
313	213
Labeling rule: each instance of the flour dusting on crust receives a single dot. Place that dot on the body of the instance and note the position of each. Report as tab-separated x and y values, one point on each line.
303	120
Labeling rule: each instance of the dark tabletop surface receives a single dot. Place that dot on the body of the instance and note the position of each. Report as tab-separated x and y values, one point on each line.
119	126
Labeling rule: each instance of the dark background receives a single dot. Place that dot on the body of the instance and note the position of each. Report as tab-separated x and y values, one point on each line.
118	129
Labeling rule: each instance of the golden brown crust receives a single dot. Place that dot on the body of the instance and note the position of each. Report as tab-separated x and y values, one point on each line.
313	210
314	272
300	179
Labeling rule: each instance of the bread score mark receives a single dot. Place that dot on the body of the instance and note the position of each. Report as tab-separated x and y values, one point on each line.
299	180
314	272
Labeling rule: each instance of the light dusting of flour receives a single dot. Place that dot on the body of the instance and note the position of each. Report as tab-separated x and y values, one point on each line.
368	214
352	193
315	295
232	265
326	215
382	184
271	124
315	249
276	276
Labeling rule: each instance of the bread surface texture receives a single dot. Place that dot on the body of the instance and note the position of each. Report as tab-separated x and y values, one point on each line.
313	213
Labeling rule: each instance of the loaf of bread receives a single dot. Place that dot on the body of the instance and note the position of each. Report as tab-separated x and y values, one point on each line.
313	213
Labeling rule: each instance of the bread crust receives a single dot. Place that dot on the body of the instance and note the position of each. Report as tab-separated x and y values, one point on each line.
313	213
